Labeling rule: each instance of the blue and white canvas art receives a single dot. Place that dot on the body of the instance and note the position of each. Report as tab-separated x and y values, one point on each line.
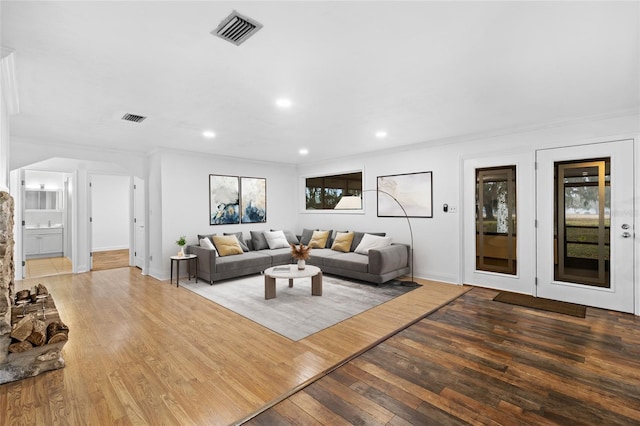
224	200
253	200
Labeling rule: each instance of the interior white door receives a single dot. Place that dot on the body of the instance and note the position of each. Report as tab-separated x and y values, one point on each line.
585	217
520	227
139	222
90	227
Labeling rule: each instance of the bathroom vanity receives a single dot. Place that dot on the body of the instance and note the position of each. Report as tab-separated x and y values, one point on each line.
43	242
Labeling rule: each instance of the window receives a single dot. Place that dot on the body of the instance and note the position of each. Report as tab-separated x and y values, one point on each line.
583	222
496	220
324	192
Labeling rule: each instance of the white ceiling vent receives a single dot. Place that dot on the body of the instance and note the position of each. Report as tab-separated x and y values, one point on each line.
236	28
133	117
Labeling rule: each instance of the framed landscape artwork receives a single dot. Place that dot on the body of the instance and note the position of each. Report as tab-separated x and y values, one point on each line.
253	200
224	200
413	190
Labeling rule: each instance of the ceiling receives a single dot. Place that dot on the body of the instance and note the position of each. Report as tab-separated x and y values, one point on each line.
425	72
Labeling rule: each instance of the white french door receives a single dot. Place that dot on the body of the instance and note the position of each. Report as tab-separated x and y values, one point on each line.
139	247
585	225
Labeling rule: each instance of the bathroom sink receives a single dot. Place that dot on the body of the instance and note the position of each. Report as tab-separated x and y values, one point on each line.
44	226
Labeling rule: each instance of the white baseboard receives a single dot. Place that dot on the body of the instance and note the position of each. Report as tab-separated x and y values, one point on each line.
109	248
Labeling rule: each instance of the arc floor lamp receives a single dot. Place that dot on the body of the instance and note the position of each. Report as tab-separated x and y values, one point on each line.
355	202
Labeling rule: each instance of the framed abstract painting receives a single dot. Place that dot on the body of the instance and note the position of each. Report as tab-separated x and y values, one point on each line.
414	191
224	200
253	200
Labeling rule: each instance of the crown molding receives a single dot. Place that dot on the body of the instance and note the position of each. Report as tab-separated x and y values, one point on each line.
9	82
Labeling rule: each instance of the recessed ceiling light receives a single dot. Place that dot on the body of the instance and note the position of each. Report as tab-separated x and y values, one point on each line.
208	134
303	151
284	103
381	134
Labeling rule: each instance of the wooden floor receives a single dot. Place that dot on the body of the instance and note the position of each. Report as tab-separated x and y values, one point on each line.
142	351
476	361
45	267
35	268
109	259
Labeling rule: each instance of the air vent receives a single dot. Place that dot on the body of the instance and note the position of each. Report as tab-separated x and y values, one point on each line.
236	28
133	117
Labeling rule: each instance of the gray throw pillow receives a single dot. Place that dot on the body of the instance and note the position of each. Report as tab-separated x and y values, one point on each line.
330	239
357	238
258	241
243	245
306	236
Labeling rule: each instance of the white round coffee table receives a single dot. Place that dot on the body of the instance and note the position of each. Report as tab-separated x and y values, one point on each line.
291	272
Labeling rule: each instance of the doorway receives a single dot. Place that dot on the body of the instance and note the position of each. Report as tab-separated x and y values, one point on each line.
46	226
585	233
109	200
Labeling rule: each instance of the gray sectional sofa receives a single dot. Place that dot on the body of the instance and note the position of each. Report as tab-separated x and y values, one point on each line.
378	266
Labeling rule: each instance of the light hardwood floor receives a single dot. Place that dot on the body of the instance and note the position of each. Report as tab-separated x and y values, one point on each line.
109	259
35	268
142	351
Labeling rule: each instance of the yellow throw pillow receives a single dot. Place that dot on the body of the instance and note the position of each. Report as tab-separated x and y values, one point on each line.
319	239
343	241
227	245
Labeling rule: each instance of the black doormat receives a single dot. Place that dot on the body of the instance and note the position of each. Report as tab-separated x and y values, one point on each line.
543	304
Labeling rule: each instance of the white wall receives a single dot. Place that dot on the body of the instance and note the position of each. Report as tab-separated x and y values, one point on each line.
110	212
438	241
9	104
4	144
182	207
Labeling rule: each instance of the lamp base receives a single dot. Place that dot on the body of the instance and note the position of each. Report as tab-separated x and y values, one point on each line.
404	283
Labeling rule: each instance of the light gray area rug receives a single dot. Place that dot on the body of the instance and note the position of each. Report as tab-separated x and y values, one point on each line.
295	313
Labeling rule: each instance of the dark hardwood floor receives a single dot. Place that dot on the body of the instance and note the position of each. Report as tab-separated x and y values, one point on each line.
476	361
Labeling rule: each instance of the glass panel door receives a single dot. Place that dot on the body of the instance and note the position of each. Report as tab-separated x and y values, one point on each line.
496	220
583	222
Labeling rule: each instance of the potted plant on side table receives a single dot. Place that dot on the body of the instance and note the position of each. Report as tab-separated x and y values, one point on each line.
182	241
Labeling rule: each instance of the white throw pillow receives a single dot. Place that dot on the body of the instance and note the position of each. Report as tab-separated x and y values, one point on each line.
206	243
276	239
372	242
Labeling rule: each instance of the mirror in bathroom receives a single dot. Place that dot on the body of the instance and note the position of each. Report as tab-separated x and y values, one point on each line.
43	200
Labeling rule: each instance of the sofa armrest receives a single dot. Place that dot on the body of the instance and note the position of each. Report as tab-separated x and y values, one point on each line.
388	259
206	258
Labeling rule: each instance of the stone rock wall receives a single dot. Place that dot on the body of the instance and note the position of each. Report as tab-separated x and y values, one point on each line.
44	356
6	272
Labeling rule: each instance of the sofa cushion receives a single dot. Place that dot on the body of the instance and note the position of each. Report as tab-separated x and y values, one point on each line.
207	243
240	240
246	263
281	256
319	239
208	236
276	239
342	242
318	256
290	236
306	236
372	242
227	245
258	241
349	261
357	238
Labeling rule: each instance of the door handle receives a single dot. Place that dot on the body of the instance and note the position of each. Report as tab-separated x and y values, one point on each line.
626	235
625	226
